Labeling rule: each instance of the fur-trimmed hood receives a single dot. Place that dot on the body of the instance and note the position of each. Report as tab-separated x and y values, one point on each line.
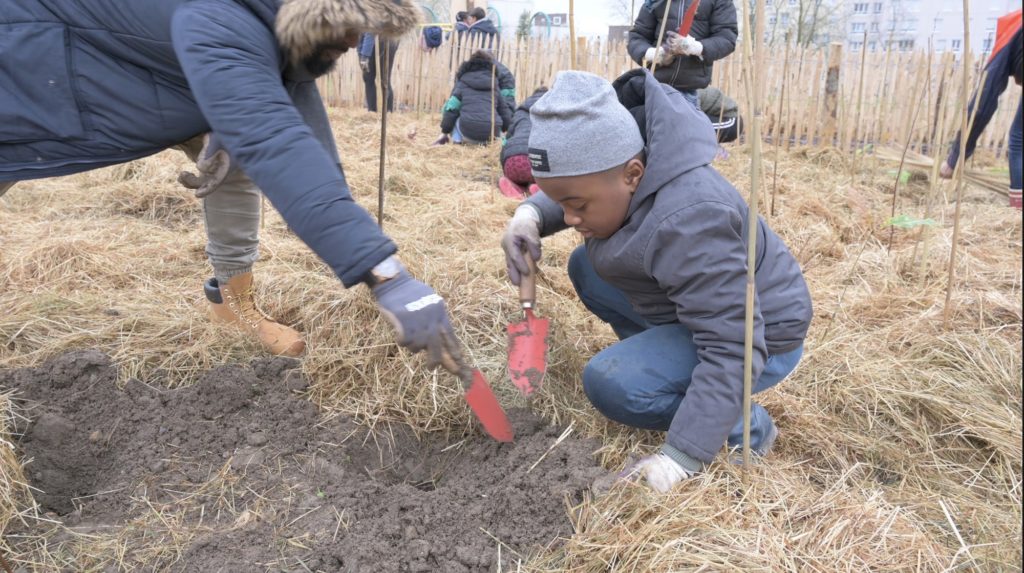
303	25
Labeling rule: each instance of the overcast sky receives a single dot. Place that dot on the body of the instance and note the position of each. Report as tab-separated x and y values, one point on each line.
592	16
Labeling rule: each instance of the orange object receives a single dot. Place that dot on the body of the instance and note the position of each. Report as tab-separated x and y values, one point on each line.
687	23
528	340
485	407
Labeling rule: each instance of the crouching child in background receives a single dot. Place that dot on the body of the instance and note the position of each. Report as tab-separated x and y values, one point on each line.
517	181
664	264
483	98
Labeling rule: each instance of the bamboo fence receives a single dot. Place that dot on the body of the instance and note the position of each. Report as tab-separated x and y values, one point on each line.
870	99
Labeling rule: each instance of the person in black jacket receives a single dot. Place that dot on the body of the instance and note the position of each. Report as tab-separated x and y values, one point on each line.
482	31
684	62
517	179
477	102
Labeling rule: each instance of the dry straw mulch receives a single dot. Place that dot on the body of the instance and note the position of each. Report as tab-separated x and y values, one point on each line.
901	440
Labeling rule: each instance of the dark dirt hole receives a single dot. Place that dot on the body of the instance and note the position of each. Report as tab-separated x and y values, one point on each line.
104	457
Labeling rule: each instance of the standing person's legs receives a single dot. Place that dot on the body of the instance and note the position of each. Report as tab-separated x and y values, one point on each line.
691	96
370	85
1014	145
232	216
388	59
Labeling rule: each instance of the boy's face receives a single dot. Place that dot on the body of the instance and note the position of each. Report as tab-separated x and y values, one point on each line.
596	204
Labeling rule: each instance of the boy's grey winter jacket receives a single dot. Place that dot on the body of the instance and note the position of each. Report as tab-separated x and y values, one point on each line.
681	256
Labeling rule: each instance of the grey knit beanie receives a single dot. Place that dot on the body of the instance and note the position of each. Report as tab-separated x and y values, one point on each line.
579	127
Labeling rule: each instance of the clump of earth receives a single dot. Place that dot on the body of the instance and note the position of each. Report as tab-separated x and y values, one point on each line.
295	491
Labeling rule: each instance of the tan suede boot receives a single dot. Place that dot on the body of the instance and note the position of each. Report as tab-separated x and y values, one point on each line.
234	303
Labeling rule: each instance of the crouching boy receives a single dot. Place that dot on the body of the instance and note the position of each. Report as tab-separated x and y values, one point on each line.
664	263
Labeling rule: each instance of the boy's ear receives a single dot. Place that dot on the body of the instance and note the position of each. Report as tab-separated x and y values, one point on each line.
633	173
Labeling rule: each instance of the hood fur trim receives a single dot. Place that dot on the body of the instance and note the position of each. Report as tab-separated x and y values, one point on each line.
302	25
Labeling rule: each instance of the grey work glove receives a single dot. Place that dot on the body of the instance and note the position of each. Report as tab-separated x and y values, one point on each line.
364	64
214	166
521	236
420	319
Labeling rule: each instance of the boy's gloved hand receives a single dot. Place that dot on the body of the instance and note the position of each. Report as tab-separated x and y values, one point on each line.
364	64
659	56
522	234
419	316
660	471
683	45
440	140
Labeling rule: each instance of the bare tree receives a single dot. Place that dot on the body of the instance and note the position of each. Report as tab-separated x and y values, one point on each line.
624	11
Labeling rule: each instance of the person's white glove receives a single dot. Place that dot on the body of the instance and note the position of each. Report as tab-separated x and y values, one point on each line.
658	56
521	239
683	45
660	471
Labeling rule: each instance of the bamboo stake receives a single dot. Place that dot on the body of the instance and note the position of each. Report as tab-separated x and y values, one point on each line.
572	35
899	172
958	176
756	61
382	105
860	100
661	33
781	130
377	60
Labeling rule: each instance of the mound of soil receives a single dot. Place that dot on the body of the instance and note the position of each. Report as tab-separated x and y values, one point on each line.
294	492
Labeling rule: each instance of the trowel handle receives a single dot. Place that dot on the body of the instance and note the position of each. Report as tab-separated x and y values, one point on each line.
528	283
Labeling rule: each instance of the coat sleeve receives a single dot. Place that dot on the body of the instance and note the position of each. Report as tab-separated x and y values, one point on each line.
699	257
997	77
722	31
231	62
552	217
643	34
452	107
507	85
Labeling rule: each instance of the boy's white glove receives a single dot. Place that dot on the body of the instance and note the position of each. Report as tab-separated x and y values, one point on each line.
660	471
658	56
521	239
684	45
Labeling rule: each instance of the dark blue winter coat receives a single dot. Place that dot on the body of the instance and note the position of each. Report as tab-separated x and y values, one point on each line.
91	83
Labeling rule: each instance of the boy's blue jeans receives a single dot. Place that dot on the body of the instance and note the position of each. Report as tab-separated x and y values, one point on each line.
640	380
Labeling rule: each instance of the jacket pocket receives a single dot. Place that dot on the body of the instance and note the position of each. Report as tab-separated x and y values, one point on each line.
37	96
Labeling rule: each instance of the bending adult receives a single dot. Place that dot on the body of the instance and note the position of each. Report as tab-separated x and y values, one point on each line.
89	84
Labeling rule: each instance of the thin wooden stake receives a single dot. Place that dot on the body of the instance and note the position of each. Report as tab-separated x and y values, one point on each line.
781	131
382	105
661	34
572	35
755	61
958	175
860	100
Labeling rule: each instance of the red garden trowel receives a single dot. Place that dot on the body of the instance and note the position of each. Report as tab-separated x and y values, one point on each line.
481	398
528	340
485	405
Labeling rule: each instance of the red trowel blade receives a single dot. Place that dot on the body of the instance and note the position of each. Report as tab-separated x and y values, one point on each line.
487	409
527	352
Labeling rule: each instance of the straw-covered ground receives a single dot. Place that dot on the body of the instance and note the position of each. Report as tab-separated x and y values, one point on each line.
900	443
